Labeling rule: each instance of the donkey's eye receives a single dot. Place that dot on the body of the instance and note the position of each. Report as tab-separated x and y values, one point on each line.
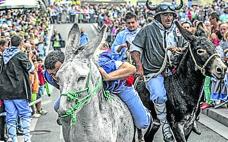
81	78
201	51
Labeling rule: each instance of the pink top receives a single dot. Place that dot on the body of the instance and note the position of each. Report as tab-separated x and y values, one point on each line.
41	75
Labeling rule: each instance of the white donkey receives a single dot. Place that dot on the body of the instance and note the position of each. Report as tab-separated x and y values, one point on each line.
86	114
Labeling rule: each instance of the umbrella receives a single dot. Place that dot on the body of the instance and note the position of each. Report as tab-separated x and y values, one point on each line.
8	4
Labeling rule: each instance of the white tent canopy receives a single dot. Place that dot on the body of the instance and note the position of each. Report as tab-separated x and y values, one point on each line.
7	4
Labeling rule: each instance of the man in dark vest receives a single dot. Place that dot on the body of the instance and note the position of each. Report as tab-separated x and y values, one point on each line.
153	50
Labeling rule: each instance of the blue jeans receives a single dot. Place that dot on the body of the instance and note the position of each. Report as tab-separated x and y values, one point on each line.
157	90
18	108
140	114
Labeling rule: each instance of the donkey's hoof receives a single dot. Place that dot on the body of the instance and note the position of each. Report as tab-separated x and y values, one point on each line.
196	129
59	122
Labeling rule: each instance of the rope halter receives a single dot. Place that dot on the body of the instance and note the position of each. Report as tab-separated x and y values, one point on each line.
75	96
202	69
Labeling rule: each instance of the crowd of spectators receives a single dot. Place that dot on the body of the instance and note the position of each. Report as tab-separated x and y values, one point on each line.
214	17
215	20
112	14
32	26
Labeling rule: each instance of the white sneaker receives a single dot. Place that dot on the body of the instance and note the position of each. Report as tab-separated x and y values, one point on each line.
36	115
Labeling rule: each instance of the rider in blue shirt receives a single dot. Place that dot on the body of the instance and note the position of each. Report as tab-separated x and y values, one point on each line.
113	72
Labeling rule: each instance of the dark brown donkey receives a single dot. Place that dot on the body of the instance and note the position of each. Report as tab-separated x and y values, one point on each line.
183	88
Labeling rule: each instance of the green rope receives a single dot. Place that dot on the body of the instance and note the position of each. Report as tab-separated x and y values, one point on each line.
107	95
73	95
80	103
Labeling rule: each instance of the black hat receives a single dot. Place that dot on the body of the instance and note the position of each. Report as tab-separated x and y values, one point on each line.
164	8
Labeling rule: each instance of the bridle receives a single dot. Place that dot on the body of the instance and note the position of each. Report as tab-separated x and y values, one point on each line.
202	69
80	102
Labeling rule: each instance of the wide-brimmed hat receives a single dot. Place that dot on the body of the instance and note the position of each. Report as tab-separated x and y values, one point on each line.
164	8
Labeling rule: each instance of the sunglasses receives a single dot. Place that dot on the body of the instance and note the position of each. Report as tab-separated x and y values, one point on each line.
164	7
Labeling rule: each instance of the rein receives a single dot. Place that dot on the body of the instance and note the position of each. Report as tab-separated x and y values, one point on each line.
81	102
202	69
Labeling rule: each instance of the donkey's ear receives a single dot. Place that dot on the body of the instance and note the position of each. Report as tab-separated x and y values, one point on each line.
97	43
200	30
72	41
185	33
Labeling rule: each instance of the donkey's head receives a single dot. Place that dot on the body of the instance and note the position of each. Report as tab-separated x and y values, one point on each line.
203	52
79	79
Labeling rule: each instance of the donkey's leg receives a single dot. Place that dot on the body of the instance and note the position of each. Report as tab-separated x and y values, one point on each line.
149	136
195	125
180	130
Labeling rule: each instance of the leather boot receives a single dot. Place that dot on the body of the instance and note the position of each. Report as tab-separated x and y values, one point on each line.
167	132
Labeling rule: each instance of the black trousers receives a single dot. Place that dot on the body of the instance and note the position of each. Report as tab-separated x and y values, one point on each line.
72	18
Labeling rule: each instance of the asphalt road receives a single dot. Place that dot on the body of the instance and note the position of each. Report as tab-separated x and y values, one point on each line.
47	130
